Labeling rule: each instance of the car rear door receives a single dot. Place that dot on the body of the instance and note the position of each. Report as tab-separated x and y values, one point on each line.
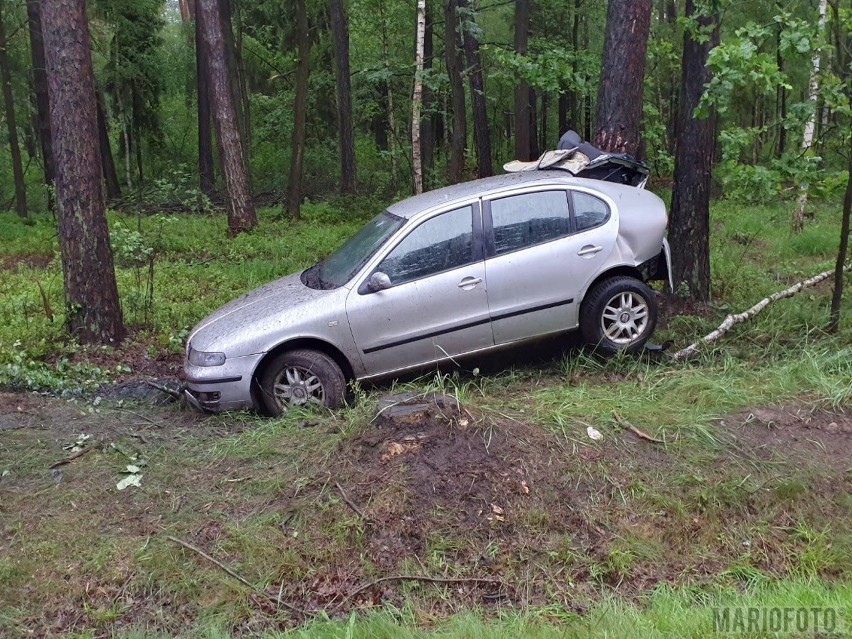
436	306
540	256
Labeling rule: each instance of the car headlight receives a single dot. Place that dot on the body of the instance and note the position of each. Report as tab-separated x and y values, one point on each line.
200	358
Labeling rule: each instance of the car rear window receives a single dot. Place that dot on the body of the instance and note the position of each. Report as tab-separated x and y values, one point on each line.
589	211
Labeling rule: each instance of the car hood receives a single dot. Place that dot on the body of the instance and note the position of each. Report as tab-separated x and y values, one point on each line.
241	323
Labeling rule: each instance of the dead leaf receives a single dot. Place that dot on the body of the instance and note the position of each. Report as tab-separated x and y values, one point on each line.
496	509
524	488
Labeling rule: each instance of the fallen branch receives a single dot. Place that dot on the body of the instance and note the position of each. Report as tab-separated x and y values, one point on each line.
350	503
241	579
164	389
71	458
640	434
731	320
434	580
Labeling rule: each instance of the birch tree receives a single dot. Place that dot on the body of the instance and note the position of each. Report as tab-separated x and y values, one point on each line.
810	125
417	98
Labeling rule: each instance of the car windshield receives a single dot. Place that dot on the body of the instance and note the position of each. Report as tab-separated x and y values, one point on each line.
339	267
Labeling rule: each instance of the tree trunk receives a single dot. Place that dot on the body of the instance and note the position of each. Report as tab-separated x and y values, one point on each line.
689	226
233	58
93	311
573	106
808	135
842	252
453	59
11	125
206	171
481	132
113	189
622	84
241	212
522	89
340	41
293	203
417	98
563	114
430	122
40	88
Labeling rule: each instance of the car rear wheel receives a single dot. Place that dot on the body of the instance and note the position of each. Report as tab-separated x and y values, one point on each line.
301	378
618	314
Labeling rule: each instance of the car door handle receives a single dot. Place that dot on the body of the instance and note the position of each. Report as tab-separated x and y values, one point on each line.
588	249
469	282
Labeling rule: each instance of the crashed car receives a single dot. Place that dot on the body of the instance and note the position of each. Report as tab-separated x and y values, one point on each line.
455	272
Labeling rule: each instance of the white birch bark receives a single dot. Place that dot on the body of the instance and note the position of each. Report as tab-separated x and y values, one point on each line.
808	136
731	320
417	98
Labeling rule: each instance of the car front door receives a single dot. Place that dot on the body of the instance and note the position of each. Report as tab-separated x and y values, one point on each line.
432	305
540	258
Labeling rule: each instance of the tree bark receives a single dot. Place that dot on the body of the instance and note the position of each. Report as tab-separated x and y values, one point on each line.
522	89
429	124
481	132
293	203
453	60
808	135
93	311
40	89
241	211
842	252
206	171
113	189
417	98
622	84
689	226
340	42
11	124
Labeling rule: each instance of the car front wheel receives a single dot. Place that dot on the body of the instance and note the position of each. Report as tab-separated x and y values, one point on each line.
299	378
618	314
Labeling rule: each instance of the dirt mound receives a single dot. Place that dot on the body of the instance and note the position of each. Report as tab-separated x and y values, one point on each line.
434	466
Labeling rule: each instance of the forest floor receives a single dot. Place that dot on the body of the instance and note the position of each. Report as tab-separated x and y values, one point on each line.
319	515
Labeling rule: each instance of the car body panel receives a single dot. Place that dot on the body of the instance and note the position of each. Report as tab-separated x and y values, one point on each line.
515	296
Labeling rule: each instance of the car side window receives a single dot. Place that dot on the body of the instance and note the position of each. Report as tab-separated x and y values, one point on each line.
528	219
439	244
589	211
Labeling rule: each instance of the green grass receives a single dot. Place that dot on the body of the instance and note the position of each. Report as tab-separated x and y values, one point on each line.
685	613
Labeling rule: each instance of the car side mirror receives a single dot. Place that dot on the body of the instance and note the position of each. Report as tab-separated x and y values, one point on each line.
378	282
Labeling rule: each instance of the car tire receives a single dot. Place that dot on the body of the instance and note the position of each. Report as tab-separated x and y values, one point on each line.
301	377
618	314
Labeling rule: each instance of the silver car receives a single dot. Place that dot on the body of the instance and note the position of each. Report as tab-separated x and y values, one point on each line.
454	272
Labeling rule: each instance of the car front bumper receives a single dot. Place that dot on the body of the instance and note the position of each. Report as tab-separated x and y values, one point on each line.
221	388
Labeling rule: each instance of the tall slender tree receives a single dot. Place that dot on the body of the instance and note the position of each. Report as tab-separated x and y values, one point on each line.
476	75
340	42
689	226
11	124
206	170
455	64
93	311
293	203
522	90
241	212
113	188
417	97
622	81
808	134
42	102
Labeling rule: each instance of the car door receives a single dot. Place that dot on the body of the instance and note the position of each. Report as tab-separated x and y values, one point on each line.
540	258
435	305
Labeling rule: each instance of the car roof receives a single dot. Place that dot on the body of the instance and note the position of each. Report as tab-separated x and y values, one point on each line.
487	186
